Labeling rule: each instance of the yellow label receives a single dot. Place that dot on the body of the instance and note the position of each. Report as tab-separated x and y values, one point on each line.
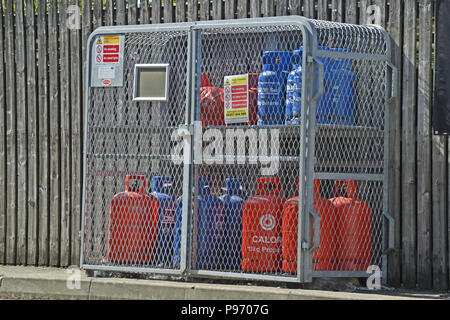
238	113
227	82
238	81
99	41
111	39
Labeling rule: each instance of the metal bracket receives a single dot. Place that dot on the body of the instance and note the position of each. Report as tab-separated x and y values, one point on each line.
391	232
394	81
316	239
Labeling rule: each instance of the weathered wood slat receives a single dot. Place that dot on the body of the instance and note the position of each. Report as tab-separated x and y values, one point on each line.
424	279
2	146
337	11
109	13
268	7
322	9
282	7
22	138
409	151
351	11
394	260
156	11
64	127
121	17
97	16
54	119
76	111
11	137
43	146
255	8
180	11
132	12
168	12
144	13
192	11
204	10
230	9
242	9
295	7
310	11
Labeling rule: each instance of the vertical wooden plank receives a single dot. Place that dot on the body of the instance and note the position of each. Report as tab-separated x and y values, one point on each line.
337	11
121	18
230	9
351	11
295	7
255	8
282	8
168	11
217	9
192	11
64	127
363	5
180	11
439	216
85	32
156	11
268	8
132	12
395	161
383	9
54	118
76	112
2	144
43	145
310	11
97	17
144	12
22	137
409	151
424	272
322	9
441	205
204	10
109	12
11	137
242	9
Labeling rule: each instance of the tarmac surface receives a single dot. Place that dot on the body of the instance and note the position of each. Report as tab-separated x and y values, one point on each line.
18	282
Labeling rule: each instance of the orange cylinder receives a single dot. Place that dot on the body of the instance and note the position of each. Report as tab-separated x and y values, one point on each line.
323	257
355	228
261	228
133	225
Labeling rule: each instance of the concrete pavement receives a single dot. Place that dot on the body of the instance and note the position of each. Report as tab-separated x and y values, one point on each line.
57	283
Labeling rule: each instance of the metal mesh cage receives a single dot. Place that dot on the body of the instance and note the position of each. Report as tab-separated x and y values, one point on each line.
268	160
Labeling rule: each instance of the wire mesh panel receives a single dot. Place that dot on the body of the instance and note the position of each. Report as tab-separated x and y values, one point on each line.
351	148
247	160
132	183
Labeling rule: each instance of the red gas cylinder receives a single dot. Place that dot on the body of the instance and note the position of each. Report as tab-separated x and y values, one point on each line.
261	227
355	228
133	225
323	258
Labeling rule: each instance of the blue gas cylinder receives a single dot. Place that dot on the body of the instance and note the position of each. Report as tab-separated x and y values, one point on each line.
272	87
162	190
232	242
210	228
296	62
336	106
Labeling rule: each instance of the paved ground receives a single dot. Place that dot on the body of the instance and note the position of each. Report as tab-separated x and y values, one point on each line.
53	283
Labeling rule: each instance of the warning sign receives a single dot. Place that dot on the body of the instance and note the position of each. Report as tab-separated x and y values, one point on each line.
236	99
108	50
107	61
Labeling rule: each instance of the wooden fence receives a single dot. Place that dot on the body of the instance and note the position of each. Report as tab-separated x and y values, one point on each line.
41	103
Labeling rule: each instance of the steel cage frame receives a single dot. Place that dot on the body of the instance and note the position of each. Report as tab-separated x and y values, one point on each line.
310	59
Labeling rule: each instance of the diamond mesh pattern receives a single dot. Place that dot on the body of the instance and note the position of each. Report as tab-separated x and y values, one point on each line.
134	138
